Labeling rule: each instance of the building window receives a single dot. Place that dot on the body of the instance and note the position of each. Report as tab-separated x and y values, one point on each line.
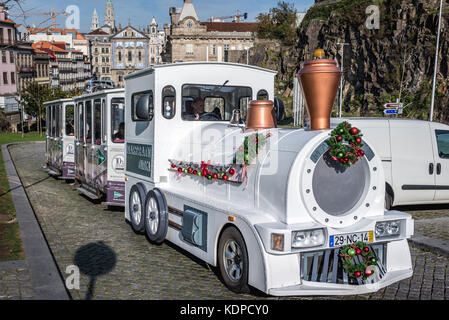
140	56
130	58
120	56
5	77
214	49
189	49
13	78
4	56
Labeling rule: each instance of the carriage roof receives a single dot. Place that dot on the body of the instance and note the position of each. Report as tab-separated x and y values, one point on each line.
99	93
194	64
58	101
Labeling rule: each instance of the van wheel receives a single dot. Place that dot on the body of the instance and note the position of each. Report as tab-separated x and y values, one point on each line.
136	205
156	216
388	200
233	260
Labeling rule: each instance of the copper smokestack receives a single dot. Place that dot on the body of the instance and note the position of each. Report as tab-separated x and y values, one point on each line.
319	82
260	115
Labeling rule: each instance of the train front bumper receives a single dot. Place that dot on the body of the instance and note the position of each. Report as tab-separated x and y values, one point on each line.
320	271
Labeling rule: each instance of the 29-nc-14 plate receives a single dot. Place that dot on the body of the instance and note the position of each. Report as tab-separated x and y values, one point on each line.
339	240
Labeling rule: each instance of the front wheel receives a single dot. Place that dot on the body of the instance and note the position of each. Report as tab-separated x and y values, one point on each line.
233	260
136	205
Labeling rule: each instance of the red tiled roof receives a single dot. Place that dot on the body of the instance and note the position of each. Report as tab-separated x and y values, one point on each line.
231	26
97	32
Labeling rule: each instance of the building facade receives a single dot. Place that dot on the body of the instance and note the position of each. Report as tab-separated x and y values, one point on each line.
130	52
189	39
100	54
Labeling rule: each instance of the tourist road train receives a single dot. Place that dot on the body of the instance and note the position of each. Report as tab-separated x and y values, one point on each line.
202	164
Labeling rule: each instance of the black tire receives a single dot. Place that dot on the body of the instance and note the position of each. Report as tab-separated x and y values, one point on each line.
236	282
388	200
156	216
136	207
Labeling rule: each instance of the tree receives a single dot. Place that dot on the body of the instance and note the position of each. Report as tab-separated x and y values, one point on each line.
279	23
4	123
34	96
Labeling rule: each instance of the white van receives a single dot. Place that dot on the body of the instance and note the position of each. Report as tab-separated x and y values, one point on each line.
415	157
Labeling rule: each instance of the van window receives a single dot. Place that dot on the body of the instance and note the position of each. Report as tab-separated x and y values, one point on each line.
80	122
69	118
262	95
118	120
88	121
443	143
142	106
97	121
168	102
211	102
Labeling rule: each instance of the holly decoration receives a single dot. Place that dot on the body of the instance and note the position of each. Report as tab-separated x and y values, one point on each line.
235	172
345	144
356	270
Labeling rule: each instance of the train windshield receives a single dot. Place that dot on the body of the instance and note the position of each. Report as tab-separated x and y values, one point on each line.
118	120
213	102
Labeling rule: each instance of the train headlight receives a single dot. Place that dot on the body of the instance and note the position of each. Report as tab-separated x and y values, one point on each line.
388	228
308	238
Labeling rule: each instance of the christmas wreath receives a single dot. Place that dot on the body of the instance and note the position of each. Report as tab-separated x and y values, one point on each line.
234	172
345	144
356	270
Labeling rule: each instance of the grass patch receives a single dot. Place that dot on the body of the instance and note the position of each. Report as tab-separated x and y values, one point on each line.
10	242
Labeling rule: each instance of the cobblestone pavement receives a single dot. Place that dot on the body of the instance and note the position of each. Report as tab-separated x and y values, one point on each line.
15	282
116	263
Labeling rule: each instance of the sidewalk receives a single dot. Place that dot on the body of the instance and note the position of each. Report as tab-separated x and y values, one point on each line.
36	277
432	235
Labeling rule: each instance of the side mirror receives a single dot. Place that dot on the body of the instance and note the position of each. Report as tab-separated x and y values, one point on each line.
279	109
145	108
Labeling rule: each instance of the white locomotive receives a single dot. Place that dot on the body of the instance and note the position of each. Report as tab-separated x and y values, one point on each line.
269	206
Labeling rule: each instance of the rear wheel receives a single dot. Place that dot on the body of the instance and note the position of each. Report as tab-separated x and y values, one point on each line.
156	216
233	260
136	205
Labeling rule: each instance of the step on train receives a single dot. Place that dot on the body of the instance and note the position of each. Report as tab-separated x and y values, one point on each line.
193	152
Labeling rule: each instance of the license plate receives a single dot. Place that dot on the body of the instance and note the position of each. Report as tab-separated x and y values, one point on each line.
339	240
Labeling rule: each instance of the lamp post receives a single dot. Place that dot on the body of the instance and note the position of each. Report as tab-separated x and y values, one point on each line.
432	104
343	44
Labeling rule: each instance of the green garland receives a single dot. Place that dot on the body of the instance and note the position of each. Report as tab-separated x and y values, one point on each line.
348	252
345	144
250	148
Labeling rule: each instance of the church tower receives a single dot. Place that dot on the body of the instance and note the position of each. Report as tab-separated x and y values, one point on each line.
109	15
94	25
153	26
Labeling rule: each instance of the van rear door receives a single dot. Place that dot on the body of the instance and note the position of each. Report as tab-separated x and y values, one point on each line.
412	162
440	139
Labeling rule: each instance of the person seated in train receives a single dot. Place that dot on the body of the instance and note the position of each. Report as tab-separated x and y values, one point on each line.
70	129
198	112
119	136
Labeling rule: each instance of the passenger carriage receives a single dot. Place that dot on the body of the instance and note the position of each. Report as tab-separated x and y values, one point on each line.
60	138
99	145
270	207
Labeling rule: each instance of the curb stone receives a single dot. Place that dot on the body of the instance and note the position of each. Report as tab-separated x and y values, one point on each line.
46	279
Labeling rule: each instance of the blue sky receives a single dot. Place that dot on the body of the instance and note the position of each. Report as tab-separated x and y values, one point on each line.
140	12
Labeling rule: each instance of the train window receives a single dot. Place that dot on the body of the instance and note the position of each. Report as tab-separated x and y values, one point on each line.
168	102
88	121
80	121
57	120
211	102
105	121
262	95
142	107
97	121
52	121
243	104
47	122
69	119
118	120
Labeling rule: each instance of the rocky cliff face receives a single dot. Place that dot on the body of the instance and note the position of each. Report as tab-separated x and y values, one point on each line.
379	64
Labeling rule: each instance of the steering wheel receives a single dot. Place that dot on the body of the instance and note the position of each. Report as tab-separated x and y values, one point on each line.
208	114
